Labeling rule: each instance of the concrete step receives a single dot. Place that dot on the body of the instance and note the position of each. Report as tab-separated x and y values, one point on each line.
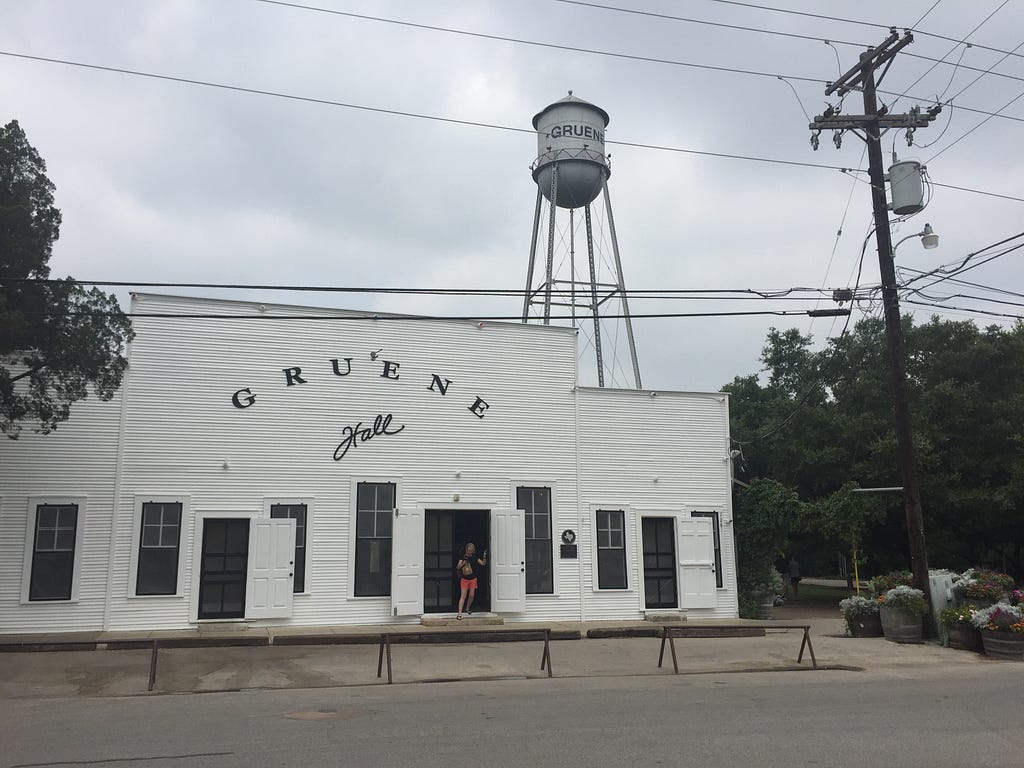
665	617
223	627
449	620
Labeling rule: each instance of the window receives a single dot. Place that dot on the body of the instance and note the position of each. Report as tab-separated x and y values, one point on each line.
53	552
536	502
375	509
718	544
296	512
158	549
611	549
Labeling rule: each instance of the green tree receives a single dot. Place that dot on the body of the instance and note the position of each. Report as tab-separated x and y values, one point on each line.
57	339
823	420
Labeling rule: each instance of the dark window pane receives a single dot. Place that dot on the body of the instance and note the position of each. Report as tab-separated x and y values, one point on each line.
373	567
51	576
375	504
539	572
365	523
611	569
158	572
151	535
47	516
53	556
65	540
611	549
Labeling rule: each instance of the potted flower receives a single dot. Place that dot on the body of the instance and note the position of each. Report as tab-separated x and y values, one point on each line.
886	581
902	609
981	588
1002	631
861	614
960	631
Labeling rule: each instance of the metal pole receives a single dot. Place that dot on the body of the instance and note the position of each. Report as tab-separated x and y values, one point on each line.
533	256
572	264
622	285
551	245
593	299
894	335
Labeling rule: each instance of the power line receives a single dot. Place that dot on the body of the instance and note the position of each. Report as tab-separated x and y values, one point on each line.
441	119
972	130
534	43
872	25
614	54
971	310
671	293
959	281
393	316
945	269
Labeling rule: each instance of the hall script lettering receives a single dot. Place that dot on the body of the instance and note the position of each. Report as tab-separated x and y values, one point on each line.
360	434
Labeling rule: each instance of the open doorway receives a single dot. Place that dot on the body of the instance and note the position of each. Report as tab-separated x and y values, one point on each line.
446	533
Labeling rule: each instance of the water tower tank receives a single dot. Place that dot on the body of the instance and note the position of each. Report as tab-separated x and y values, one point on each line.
570	134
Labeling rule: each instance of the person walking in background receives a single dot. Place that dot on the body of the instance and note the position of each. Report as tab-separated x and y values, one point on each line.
783	569
794	576
466	570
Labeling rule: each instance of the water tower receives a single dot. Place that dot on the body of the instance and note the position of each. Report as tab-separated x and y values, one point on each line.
571	172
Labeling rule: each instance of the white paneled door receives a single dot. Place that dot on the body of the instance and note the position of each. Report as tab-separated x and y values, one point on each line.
508	561
697	588
269	587
407	563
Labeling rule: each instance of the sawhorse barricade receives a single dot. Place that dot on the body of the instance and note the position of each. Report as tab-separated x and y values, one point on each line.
461	636
670	632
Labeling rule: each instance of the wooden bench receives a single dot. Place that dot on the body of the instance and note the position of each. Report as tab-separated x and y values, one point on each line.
462	636
671	631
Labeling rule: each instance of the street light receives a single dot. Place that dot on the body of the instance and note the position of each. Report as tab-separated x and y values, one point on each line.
928	238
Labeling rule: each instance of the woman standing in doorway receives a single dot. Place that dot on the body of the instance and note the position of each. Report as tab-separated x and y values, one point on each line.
467	577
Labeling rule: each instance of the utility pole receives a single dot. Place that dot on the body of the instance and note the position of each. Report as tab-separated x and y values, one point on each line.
871	124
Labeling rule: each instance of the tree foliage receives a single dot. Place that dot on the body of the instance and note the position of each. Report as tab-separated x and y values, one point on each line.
967	405
57	339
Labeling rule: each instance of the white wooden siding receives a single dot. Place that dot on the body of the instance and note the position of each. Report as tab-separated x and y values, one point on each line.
183	438
665	452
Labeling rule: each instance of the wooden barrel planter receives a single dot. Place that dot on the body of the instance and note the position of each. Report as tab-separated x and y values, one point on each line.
764	610
1008	646
865	626
900	626
964	637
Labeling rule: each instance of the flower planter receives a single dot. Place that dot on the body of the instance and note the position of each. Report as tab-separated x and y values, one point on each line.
964	637
1004	645
764	610
865	626
901	626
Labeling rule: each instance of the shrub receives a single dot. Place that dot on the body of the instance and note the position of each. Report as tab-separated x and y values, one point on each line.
1001	617
962	615
886	581
857	607
904	598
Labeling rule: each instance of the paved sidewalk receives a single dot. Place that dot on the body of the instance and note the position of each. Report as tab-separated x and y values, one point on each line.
351	662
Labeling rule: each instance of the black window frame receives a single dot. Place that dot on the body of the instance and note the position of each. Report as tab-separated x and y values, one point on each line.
610	554
152	556
50	550
299	512
366	583
539	558
712	514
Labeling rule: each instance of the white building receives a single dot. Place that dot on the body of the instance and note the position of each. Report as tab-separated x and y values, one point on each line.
318	467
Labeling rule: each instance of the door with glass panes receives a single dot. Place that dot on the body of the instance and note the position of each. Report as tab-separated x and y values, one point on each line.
659	562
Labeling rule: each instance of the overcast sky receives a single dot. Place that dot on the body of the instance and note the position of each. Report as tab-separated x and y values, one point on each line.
165	181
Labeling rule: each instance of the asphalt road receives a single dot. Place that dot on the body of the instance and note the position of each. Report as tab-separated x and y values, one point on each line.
769	719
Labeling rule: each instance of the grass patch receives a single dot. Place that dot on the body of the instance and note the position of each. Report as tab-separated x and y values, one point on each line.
814	593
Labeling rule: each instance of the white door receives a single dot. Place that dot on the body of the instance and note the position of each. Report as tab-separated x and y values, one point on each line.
697	563
507	559
407	563
269	585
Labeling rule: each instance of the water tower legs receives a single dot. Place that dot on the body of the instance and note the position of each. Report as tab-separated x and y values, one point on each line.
581	294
